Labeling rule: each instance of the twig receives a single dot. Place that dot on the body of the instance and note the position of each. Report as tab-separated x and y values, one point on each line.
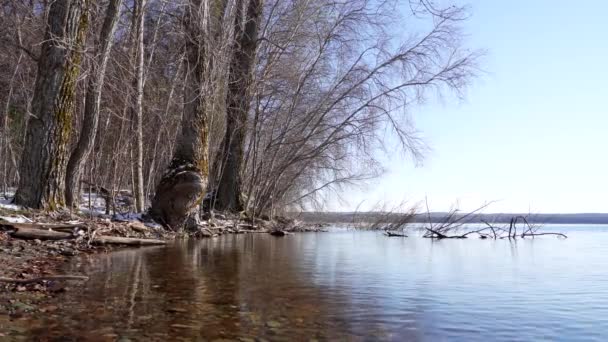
45	278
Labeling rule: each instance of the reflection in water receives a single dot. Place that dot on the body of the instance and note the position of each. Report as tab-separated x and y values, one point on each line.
340	286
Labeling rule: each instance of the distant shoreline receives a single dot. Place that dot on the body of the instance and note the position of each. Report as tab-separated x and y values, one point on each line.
580	218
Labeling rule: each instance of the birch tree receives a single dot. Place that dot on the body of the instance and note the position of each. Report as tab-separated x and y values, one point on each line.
137	109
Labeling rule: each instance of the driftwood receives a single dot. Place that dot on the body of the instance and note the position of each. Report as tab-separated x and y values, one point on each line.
260	231
26	232
454	226
54	226
117	240
45	278
40	234
394	234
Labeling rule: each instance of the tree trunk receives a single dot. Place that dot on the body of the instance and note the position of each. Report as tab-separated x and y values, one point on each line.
228	196
138	145
45	154
92	101
182	186
6	145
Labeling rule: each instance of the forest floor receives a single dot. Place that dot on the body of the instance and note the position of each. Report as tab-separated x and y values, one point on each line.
29	261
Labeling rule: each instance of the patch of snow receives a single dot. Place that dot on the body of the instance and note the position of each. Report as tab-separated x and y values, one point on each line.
6	203
127	217
73	222
15	219
92	204
151	224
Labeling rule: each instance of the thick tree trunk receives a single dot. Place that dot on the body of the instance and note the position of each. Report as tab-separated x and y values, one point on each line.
91	106
45	154
182	186
138	162
228	196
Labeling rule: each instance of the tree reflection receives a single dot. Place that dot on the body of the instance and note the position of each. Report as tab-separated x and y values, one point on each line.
230	287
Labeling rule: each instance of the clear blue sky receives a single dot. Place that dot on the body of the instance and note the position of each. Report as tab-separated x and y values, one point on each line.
532	132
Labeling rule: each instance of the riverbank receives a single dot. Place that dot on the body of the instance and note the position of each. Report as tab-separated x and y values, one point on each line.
34	246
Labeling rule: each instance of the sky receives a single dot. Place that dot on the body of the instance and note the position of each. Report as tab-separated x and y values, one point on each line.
531	133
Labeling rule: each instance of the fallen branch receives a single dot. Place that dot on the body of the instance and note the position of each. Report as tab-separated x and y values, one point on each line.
45	278
393	234
116	240
40	234
438	235
536	234
44	226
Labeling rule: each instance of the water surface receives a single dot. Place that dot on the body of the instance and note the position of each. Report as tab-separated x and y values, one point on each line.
343	285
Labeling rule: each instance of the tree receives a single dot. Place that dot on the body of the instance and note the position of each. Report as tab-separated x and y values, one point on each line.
97	74
182	186
45	154
246	23
272	105
332	82
137	109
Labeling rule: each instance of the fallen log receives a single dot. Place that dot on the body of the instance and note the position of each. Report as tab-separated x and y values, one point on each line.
261	231
117	240
393	234
45	278
44	225
54	226
40	234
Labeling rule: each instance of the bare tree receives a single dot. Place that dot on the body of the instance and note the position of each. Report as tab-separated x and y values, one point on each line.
182	186
330	82
88	131
137	109
247	21
45	154
272	105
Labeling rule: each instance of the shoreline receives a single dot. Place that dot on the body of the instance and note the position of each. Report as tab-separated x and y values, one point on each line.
32	266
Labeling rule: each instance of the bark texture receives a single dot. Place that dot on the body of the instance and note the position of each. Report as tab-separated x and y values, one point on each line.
138	163
45	154
90	122
228	196
181	188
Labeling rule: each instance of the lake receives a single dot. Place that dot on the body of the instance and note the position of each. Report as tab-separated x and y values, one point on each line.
342	285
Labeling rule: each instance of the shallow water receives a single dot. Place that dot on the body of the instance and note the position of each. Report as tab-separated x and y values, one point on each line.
343	285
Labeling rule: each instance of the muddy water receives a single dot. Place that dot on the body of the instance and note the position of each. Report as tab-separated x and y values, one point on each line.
344	285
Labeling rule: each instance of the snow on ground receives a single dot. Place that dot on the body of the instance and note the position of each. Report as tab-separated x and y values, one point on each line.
15	219
6	199
6	204
92	204
126	216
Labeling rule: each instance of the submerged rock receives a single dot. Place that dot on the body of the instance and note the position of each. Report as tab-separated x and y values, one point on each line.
273	324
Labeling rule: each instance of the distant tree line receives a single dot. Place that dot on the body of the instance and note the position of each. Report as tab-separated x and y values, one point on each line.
265	106
380	219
